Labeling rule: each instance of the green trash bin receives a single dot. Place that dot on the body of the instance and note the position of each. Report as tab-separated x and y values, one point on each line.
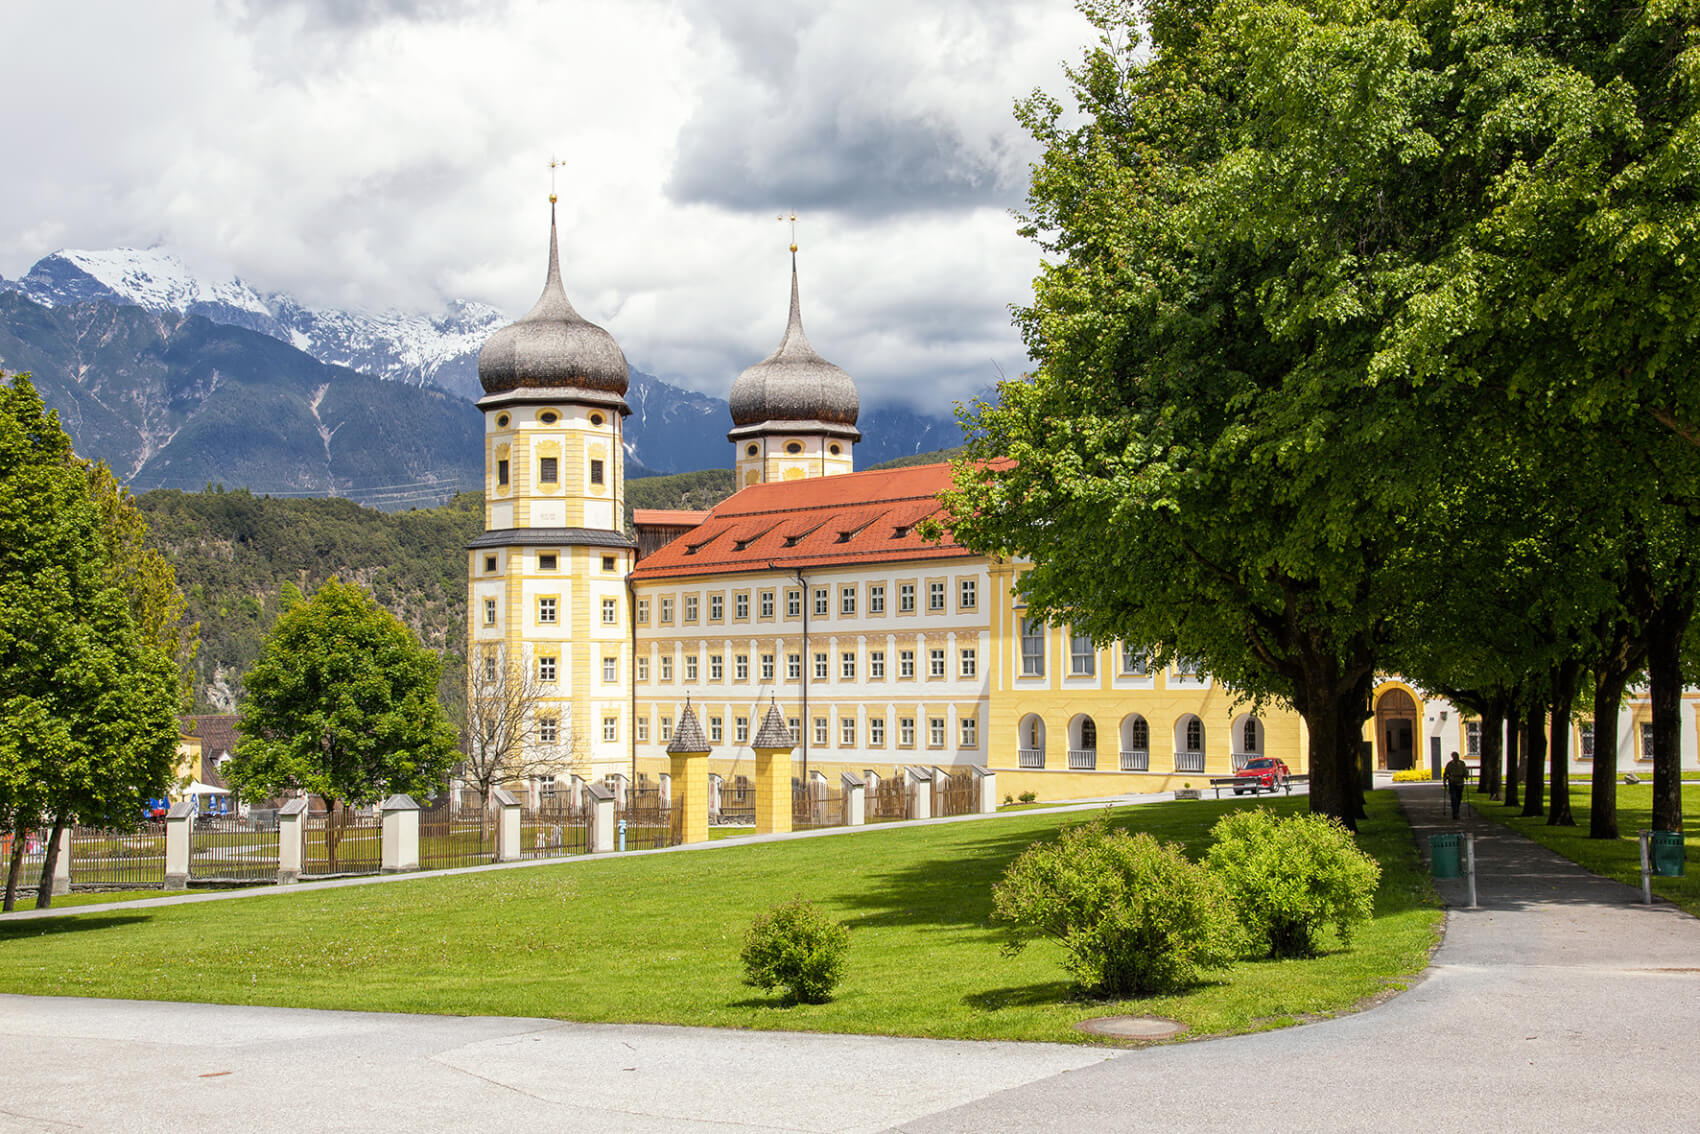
1444	855
1667	852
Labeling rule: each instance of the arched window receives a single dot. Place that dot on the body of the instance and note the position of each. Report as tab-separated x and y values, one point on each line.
1088	733
1195	735
1250	735
1139	735
1033	736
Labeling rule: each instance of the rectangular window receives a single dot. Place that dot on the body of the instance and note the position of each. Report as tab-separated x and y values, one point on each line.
547	560
741	667
690	667
876	731
610	669
610	729
716	667
820	667
548	470
1082	656
489	667
935	663
970	732
876	598
610	612
1136	660
716	607
1473	739
906	663
716	730
905	598
546	668
641	728
767	604
935	732
690	608
642	669
767	667
489	564
643	612
1584	740
741	606
502	471
545	610
876	664
546	786
666	667
607	562
847	665
793	724
793	603
847	600
1186	666
846	732
1646	752
820	730
741	729
820	602
666	729
968	594
793	667
906	732
547	729
1032	647
970	664
489	612
666	612
595	472
935	596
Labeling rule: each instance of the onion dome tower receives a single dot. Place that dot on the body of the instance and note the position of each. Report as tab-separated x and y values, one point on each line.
547	600
793	413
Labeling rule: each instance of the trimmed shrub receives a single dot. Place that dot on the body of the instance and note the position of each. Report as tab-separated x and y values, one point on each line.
1291	877
795	946
1411	776
1027	797
1133	915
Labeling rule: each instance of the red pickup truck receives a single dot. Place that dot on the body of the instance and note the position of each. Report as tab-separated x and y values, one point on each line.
1265	773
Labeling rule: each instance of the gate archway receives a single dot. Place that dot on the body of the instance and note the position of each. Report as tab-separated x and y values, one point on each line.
1395	730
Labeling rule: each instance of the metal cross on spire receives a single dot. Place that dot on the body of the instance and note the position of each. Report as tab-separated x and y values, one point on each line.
554	164
793	219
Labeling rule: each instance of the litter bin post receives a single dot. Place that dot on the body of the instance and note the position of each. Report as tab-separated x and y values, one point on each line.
1668	853
1443	853
1646	870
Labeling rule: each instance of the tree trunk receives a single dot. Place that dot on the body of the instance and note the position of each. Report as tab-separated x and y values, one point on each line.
1493	745
1534	762
44	889
1329	783
1664	668
15	863
1563	696
1602	806
1513	746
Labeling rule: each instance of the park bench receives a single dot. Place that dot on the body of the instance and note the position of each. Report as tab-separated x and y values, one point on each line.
1220	782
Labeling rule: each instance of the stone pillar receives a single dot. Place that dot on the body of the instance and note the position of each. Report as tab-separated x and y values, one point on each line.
855	800
62	864
291	841
773	750
179	832
918	782
986	790
601	832
688	753
507	825
399	849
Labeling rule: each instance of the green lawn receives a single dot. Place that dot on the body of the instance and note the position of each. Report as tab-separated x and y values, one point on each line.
1620	859
656	939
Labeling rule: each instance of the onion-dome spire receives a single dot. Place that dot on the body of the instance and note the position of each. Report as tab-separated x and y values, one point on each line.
794	383
552	346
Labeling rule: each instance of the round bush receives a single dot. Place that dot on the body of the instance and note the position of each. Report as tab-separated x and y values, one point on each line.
1133	915
1291	877
795	946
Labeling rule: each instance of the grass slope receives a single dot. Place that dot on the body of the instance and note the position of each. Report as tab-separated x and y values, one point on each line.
1620	858
656	938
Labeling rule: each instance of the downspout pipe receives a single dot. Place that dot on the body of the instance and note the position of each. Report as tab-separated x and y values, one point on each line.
807	668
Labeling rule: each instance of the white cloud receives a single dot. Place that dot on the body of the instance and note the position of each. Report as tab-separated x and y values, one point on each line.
393	154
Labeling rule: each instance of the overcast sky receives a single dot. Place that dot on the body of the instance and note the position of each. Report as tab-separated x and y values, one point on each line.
394	154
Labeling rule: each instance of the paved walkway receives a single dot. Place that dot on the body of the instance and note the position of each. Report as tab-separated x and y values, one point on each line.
1559	1004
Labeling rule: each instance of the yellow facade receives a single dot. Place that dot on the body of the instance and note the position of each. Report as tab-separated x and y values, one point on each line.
780	456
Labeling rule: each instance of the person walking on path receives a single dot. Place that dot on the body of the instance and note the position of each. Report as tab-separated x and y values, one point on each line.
1456	775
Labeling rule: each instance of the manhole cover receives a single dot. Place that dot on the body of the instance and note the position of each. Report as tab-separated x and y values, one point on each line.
1132	1027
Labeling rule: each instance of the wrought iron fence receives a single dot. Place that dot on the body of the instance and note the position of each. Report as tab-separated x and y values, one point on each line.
648	823
554	828
450	837
229	848
816	805
35	854
889	800
960	795
343	842
737	803
110	856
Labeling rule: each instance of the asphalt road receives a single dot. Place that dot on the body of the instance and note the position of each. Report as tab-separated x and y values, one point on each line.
1559	1004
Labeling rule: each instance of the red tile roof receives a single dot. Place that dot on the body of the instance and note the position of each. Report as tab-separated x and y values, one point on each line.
866	517
667	517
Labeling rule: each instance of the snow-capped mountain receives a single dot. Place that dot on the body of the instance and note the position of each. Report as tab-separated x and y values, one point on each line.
419	349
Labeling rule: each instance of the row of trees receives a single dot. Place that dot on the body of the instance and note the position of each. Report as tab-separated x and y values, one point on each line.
1366	342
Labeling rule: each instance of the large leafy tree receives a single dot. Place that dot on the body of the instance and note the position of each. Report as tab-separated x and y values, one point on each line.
89	641
342	704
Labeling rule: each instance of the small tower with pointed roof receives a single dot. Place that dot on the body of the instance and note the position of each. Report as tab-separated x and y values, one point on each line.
547	600
793	413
